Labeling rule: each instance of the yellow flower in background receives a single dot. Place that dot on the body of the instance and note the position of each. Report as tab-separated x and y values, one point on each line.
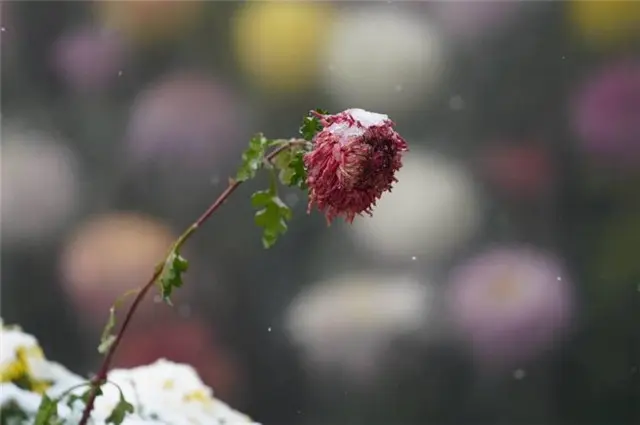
277	43
22	360
150	20
603	24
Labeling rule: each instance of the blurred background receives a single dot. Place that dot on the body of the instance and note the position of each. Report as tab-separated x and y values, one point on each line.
498	284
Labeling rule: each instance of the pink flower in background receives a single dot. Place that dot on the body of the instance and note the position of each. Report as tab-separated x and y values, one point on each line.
88	59
186	116
511	304
353	162
519	171
466	20
606	111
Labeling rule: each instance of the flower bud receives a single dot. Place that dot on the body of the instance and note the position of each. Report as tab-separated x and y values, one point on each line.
353	162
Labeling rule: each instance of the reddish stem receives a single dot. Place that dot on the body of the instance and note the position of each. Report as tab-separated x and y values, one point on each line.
101	376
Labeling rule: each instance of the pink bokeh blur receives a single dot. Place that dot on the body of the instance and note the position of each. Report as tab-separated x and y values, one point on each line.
520	172
605	113
88	58
185	116
470	20
510	304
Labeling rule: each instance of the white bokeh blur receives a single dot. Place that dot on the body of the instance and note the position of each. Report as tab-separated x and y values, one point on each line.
382	59
40	185
433	209
345	323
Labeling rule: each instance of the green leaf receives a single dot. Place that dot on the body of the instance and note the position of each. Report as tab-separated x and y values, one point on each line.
108	338
261	198
298	171
171	276
11	413
311	125
120	411
272	216
47	411
281	162
290	163
253	157
84	397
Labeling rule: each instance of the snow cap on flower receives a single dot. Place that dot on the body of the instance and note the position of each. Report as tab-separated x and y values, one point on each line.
353	162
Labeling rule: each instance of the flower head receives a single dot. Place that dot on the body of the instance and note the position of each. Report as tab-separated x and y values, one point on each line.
353	162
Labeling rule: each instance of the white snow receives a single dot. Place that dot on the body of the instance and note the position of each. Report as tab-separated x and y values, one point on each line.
161	393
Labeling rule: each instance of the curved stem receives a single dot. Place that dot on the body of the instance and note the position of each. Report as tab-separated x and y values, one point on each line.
101	376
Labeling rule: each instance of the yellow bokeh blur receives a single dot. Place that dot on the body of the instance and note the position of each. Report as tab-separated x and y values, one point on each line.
277	43
148	21
111	248
605	24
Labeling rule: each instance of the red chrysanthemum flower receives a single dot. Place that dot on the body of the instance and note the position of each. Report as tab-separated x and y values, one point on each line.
353	162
